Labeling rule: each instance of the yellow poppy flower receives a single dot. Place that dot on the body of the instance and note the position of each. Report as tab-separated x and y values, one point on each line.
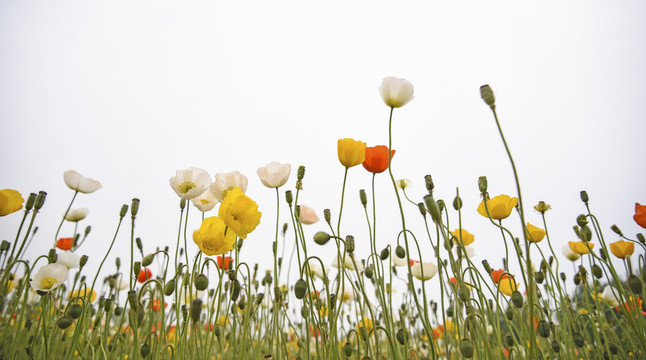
213	238
467	238
85	294
507	285
580	247
239	213
499	207
365	323
10	201
351	152
622	248
534	233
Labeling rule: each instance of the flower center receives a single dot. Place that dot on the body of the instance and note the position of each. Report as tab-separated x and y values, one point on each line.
186	186
47	283
205	202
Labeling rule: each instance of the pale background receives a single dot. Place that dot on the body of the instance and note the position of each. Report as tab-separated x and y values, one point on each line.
127	92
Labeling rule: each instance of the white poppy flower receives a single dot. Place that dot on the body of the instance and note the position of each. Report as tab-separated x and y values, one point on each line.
76	215
569	254
274	175
69	259
428	268
348	263
227	181
403	183
78	182
316	269
470	252
396	92
205	202
122	284
609	297
347	294
190	183
308	215
397	261
49	277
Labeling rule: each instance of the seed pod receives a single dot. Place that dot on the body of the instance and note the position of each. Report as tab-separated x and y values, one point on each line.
482	184
363	197
327	215
259	298
201	282
289	197
457	203
463	293
384	253
543	328
349	244
300	289
428	181
123	211
466	348
40	200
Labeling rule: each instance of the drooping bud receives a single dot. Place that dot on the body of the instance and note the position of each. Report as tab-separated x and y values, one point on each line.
144	350
235	291
147	260
586	233
196	309
169	288
64	322
201	282
463	293
140	245
321	238
74	311
641	239
300	288
52	256
539	276
347	349
486	266
363	197
384	253
132	300
596	271
517	299
422	209
466	348
400	252
486	93
616	229
369	272
578	340
402	336
556	347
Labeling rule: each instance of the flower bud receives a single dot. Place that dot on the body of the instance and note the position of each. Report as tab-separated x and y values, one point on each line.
196	309
556	347
641	239
132	299
347	349
31	200
539	276
463	293
422	209
384	253
144	350
4	246
182	204
457	203
117	262
543	328
578	340
487	95
300	288
428	181
509	313
326	215
64	322
369	272
136	268
581	220
289	197
74	311
466	348
321	238
40	200
363	197
596	271
584	197
134	207
402	336
482	184
603	254
432	207
107	305
284	230
635	284
123	211
441	205
586	233
400	252
517	299
300	174
169	288
616	229
147	260
259	298
349	244
201	282
486	266
509	341
235	291
52	256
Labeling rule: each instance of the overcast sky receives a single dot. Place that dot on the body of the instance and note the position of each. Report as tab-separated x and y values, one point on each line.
127	92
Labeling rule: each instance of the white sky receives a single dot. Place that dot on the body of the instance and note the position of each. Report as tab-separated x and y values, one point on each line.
127	92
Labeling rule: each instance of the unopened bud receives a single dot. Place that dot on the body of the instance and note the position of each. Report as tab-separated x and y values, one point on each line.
144	350
31	200
428	181
4	246
486	266
284	228
300	289
147	260
363	197
235	291
466	348
539	276
259	298
136	267
641	239
83	261
74	311
349	244
123	211
482	184
517	299
635	284
169	288
134	207
201	282
596	271
117	262
347	349
196	309
586	233
87	230
402	336
140	245
52	256
584	196
182	204
40	200
368	272
289	197
321	238
64	322
384	253
327	215
581	220
132	299
543	328
422	209
400	252
616	229
457	203
463	293
300	174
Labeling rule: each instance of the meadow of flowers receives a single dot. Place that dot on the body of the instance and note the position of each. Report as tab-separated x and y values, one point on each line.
217	305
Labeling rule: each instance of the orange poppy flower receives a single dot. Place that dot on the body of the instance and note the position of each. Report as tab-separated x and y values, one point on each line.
496	274
144	274
622	249
633	302
65	243
156	305
225	261
640	215
376	160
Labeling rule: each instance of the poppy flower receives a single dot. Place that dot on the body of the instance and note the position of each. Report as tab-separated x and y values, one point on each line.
144	274
428	268
86	294
239	213
534	233
156	305
307	215
640	215
634	302
376	159
49	277
225	182
506	283
466	237
569	254
10	201
80	183
622	249
499	207
274	174
351	152
225	262
396	92
76	215
65	243
580	247
212	237
205	202
190	183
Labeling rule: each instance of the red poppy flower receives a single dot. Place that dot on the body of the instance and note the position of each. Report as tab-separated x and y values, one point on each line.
376	160
225	262
155	305
497	274
65	243
640	215
144	274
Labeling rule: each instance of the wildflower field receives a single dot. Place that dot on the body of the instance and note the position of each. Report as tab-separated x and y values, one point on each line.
218	304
